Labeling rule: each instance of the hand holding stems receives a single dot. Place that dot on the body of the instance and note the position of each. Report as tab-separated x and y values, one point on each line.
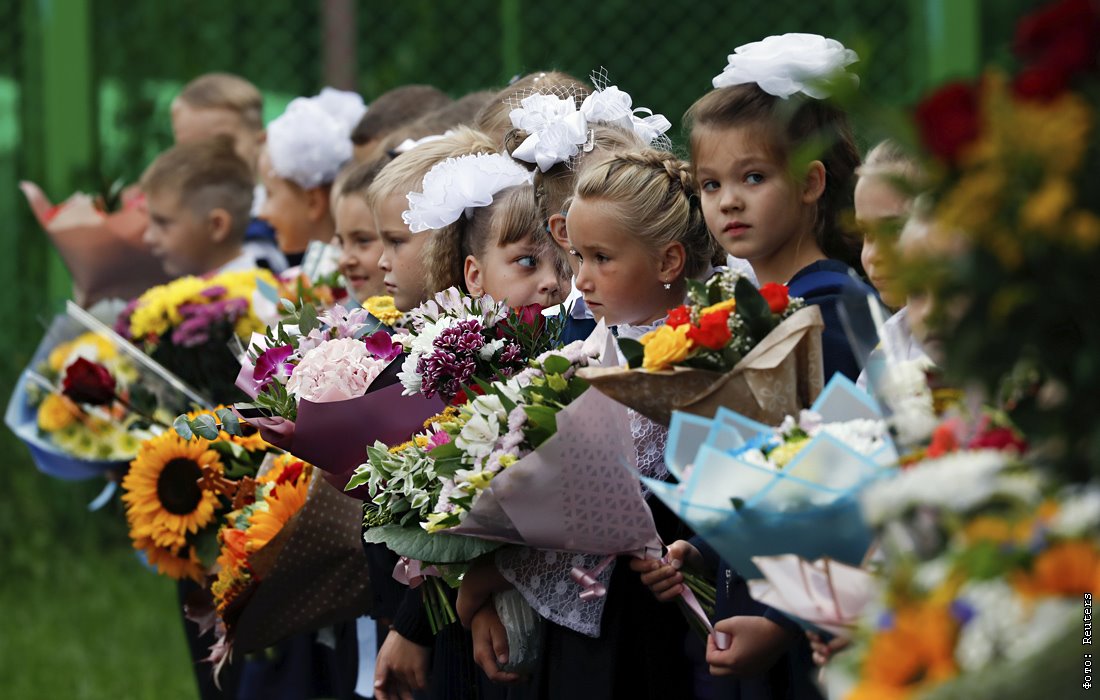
824	651
756	643
477	613
401	668
664	577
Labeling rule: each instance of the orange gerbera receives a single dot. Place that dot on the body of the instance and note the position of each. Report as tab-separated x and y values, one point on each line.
283	502
1065	569
916	651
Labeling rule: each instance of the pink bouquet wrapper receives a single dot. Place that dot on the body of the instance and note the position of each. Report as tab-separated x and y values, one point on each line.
104	253
824	593
334	436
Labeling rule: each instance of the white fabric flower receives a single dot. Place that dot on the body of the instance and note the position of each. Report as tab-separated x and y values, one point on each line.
307	144
786	64
556	130
458	185
609	106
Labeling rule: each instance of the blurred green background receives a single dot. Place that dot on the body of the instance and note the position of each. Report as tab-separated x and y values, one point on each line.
85	88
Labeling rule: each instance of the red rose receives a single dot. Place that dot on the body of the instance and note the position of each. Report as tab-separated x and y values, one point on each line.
88	382
713	331
948	119
679	316
1064	34
777	297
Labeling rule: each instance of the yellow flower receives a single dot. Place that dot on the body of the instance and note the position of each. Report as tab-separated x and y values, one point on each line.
1044	209
56	412
1085	229
284	501
164	502
382	308
730	304
435	522
158	309
783	454
665	347
480	480
507	461
915	652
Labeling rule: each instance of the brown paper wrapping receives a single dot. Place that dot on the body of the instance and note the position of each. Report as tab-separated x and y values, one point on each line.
780	376
104	253
311	575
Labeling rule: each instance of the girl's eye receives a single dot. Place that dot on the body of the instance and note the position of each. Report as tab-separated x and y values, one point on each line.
601	258
710	186
529	261
754	178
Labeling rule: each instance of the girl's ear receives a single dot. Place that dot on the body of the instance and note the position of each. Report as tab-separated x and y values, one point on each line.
471	271
672	261
220	222
814	184
317	203
557	231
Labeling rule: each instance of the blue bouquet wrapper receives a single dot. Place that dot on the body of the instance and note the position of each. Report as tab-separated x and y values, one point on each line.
809	508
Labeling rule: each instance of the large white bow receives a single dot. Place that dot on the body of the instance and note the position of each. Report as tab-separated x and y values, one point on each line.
785	64
458	185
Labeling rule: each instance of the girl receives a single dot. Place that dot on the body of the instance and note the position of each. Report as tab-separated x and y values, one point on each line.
402	262
764	204
306	147
638	234
500	250
357	234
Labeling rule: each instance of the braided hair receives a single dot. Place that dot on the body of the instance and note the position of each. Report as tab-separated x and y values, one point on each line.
658	200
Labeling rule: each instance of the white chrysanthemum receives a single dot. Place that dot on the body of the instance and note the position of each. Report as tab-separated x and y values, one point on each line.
786	64
1078	513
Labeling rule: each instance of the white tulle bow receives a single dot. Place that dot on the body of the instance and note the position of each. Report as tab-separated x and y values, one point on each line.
458	185
786	64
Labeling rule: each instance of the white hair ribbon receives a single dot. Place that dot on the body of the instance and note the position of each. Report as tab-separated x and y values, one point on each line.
786	64
459	185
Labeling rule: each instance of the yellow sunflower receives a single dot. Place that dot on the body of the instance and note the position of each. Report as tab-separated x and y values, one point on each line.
175	564
164	502
283	502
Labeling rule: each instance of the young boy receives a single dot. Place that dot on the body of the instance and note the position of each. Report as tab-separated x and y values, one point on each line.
221	104
199	196
390	111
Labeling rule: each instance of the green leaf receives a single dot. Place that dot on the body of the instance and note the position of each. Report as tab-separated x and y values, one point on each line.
753	310
206	545
437	548
230	423
183	427
307	320
633	351
555	364
205	426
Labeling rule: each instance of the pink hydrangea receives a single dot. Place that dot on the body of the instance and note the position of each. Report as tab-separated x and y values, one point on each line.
335	370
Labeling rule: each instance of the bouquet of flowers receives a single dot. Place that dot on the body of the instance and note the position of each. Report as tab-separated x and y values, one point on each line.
757	351
752	490
88	399
1014	198
290	560
455	338
101	245
176	489
319	384
985	569
187	325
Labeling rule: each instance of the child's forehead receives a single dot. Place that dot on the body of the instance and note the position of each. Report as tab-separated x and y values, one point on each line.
717	146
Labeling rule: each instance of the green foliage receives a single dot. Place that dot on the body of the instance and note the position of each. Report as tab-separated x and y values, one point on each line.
436	548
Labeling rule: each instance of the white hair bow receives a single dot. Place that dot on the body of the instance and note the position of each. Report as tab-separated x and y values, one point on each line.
786	64
459	185
309	142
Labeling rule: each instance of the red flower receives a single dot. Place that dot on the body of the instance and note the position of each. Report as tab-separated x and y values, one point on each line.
461	397
998	439
777	297
291	473
944	441
88	382
1063	34
713	331
679	316
948	119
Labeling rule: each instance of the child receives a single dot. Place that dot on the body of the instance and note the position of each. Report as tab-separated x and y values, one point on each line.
761	205
390	111
497	249
221	104
883	201
402	259
306	147
198	196
637	231
783	217
357	235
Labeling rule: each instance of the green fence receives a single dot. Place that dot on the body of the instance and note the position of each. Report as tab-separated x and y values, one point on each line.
85	85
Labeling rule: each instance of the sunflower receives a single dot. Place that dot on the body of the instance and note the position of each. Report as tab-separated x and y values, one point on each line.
164	502
283	502
183	563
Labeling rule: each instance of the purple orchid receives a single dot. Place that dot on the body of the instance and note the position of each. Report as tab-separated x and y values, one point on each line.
272	364
381	345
